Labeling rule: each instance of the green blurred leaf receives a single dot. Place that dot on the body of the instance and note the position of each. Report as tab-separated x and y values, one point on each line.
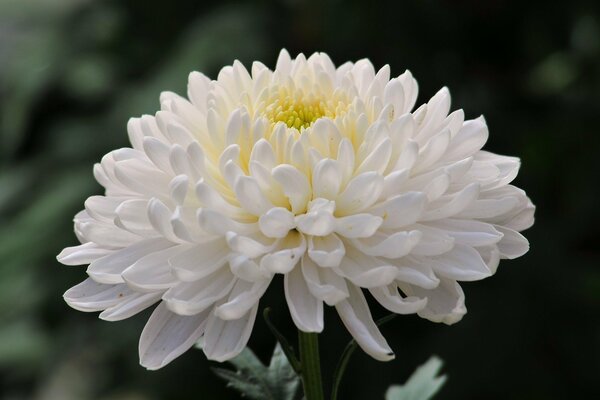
553	74
22	343
254	380
421	385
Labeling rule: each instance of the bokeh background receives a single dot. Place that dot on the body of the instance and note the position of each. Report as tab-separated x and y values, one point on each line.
73	71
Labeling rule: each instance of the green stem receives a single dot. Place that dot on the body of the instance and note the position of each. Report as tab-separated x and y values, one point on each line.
345	359
287	349
310	364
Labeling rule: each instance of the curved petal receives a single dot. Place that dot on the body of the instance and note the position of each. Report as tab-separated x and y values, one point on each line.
190	298
357	225
89	295
360	193
323	283
167	335
295	186
445	303
513	244
151	272
326	251
83	254
224	340
276	222
462	263
356	316
305	309
291	249
129	306
243	296
389	297
197	261
395	245
108	269
365	271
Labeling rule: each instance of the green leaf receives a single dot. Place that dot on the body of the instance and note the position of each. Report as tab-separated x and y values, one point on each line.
254	380
421	385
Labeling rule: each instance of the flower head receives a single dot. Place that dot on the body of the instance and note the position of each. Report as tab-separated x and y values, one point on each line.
322	174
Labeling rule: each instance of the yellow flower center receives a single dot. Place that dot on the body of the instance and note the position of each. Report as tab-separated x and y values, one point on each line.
297	113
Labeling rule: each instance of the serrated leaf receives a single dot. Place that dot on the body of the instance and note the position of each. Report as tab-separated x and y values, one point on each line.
256	381
421	385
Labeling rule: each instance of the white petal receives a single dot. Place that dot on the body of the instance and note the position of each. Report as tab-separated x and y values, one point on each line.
318	222
488	208
104	234
326	251
211	198
323	283
160	216
433	241
468	140
401	210
295	186
393	182
362	191
291	248
108	269
453	205
327	179
142	177
305	309
356	316
190	298
82	254
129	306
102	208
198	87
522	219
346	159
365	271
197	261
462	263
247	269
179	188
445	303
277	222
167	335
218	224
389	297
243	296
158	152
251	246
432	151
513	244
251	197
152	272
358	225
416	271
468	232
263	153
93	296
132	215
395	245
378	159
224	340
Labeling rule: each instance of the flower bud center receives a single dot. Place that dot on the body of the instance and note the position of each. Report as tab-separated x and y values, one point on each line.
297	112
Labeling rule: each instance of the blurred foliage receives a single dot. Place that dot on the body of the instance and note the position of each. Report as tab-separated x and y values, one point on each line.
256	381
73	71
423	384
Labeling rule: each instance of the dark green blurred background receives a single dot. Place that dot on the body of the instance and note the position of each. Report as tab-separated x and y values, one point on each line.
73	71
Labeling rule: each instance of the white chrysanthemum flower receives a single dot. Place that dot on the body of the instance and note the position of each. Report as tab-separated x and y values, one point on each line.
319	173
